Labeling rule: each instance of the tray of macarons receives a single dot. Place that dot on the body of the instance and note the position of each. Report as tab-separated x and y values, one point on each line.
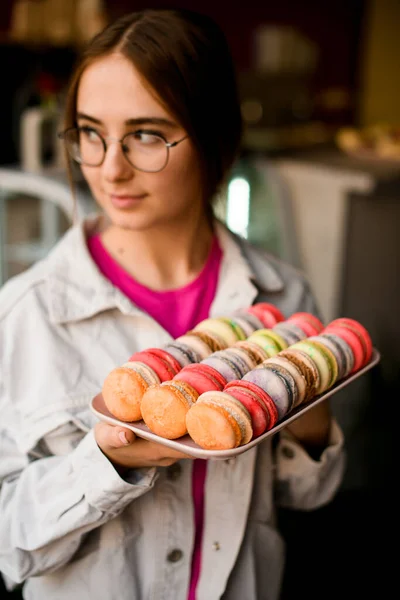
233	381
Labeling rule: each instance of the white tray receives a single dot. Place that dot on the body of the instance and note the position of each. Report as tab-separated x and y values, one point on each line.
187	445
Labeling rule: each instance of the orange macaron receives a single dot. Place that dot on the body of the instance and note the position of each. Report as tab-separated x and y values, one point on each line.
164	408
123	389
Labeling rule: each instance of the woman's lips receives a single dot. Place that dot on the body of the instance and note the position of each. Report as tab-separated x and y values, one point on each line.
126	201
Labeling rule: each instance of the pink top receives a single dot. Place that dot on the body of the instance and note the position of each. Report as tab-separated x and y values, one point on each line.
189	305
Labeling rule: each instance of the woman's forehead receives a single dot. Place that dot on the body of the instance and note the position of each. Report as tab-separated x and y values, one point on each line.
112	87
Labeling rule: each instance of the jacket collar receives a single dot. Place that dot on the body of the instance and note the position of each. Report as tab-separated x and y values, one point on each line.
77	290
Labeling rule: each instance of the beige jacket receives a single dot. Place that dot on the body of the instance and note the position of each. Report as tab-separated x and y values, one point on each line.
70	527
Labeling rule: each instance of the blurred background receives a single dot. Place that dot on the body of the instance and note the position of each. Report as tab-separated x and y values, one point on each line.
317	184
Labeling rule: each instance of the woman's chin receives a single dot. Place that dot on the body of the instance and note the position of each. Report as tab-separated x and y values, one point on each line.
130	222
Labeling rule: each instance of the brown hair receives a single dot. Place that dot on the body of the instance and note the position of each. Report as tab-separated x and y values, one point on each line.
185	58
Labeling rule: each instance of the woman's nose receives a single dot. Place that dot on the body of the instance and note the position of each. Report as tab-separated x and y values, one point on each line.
115	166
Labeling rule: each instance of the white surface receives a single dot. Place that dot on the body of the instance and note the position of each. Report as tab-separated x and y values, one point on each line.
187	445
319	197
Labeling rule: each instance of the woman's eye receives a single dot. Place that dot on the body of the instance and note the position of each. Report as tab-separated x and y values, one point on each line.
146	138
89	134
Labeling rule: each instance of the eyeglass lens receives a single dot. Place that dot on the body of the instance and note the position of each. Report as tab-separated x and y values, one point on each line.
145	151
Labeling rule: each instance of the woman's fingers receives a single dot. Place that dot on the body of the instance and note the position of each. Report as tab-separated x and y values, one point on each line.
112	436
123	448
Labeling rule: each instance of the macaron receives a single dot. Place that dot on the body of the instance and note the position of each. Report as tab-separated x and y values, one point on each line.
164	408
244	325
255	351
306	317
226	365
240	334
309	324
212	340
252	320
342	348
161	361
361	330
124	387
167	356
296	373
218	421
353	339
324	361
182	353
272	382
268	314
261	395
290	332
265	341
330	358
219	327
287	378
272	334
336	351
259	414
196	343
308	368
202	378
250	362
240	358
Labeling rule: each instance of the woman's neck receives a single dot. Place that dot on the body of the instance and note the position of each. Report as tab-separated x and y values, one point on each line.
162	259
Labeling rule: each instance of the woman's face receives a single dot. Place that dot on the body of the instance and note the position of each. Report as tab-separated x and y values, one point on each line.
113	101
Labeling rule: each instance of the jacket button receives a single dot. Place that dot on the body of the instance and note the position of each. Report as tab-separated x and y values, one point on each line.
175	555
216	546
174	472
287	452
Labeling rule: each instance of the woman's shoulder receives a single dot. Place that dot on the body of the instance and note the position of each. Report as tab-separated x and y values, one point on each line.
21	290
29	290
267	267
23	295
262	261
278	281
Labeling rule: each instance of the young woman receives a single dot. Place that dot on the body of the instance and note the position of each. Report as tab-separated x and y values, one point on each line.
86	510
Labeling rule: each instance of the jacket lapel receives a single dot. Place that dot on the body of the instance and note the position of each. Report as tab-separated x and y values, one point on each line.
227	500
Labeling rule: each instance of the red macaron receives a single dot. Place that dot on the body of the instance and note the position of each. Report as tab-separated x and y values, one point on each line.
261	395
202	378
268	314
163	363
307	322
309	318
259	413
362	332
353	340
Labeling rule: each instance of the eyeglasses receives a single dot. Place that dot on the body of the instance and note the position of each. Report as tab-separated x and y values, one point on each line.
144	150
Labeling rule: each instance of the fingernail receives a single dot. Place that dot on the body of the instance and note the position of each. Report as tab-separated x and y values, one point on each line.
122	437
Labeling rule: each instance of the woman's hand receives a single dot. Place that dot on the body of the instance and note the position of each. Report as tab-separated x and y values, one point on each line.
312	429
124	449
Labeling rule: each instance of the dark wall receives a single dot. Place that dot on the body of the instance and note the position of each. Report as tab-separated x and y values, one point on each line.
337	31
336	27
25	64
